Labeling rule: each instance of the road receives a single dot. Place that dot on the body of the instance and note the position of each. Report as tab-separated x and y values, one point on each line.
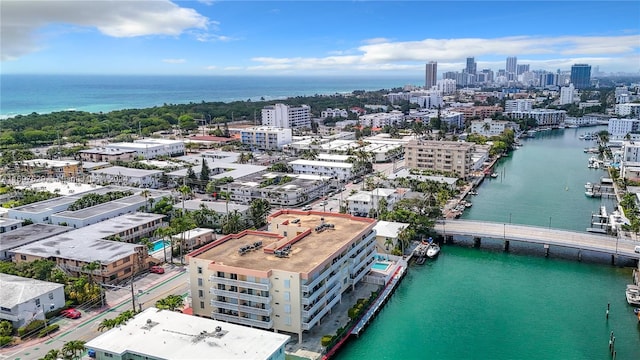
149	288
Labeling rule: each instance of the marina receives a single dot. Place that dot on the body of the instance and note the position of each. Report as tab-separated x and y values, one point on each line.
555	284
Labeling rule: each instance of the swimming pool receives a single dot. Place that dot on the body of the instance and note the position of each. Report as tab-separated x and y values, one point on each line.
380	266
157	245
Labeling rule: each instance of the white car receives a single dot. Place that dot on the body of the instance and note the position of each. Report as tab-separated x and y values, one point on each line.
637	249
306	208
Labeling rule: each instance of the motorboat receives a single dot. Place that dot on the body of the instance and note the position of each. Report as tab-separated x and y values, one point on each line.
494	175
632	293
433	250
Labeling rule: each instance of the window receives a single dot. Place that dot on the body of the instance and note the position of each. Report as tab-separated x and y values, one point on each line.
108	355
287	309
201	304
200	293
199	269
23	257
199	281
287	284
37	302
287	320
51	296
287	296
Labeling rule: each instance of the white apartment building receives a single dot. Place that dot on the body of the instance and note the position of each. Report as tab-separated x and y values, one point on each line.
124	176
24	300
489	127
286	278
566	94
446	86
363	203
619	128
581	121
150	148
162	334
631	152
543	117
266	137
278	188
287	117
334	113
518	105
632	109
335	170
379	120
431	101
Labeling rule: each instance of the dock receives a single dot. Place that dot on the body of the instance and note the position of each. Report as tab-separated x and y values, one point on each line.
380	301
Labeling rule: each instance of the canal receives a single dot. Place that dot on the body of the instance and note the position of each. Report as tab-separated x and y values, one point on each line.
486	304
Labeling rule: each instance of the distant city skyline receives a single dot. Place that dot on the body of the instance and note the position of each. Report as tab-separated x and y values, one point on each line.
208	37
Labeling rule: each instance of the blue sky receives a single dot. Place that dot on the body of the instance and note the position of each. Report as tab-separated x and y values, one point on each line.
312	37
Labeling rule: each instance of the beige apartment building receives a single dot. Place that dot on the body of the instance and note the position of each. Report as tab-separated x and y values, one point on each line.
443	156
286	278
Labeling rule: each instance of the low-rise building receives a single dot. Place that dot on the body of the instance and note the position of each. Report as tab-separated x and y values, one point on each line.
621	128
281	190
23	300
124	176
441	156
628	109
168	335
107	154
335	170
488	127
7	225
365	203
387	233
286	278
543	117
27	235
194	238
52	168
74	250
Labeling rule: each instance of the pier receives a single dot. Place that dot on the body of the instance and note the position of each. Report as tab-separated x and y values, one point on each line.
373	309
614	246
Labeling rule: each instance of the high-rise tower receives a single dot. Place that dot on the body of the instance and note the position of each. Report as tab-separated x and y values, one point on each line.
512	64
471	66
581	76
431	74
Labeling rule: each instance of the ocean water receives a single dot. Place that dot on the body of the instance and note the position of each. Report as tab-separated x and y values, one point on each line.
24	94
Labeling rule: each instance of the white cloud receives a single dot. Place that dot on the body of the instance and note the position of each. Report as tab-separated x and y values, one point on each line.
174	61
126	18
545	52
210	67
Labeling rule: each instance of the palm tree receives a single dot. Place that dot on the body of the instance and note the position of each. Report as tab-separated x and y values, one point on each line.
171	302
73	349
146	194
52	354
90	268
387	243
233	222
162	233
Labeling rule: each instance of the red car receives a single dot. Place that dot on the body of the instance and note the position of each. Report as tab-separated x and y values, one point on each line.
156	269
71	313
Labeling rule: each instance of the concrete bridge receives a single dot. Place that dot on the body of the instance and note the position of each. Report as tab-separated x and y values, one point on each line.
615	246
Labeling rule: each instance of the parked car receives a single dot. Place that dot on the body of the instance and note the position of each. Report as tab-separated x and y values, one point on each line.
156	269
637	249
306	208
71	313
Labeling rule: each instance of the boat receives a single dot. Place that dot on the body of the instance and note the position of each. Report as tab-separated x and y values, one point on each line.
632	294
433	250
421	261
494	175
636	311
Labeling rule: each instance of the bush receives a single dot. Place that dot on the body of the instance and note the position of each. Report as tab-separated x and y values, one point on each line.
53	313
31	328
353	313
48	330
326	340
5	340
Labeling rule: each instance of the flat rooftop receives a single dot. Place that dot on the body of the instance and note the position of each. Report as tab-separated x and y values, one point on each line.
306	254
164	334
28	234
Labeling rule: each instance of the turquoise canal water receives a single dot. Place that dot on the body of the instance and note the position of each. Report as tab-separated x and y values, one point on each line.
486	304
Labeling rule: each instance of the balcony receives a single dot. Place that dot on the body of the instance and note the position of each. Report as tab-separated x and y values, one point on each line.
242	296
243	321
240	283
335	289
312	323
242	308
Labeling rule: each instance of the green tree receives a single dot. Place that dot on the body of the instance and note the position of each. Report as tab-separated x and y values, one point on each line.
204	172
73	349
171	303
258	211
